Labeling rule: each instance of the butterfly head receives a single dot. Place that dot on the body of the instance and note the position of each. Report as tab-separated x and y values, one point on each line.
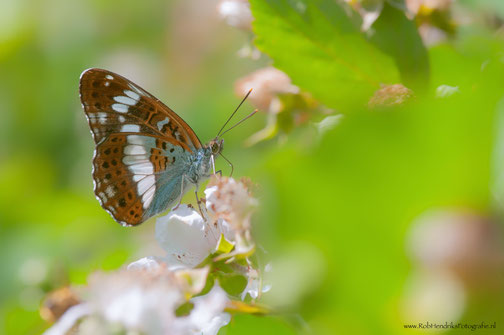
216	145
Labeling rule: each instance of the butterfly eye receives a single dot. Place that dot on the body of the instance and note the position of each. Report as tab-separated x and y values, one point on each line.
215	148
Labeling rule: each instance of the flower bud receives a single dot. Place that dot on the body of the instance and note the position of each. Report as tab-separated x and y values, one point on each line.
266	83
57	303
390	95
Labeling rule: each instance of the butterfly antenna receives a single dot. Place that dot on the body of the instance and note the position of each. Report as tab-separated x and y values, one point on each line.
242	120
229	119
230	164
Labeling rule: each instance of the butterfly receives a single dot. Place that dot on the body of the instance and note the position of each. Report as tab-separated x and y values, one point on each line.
146	156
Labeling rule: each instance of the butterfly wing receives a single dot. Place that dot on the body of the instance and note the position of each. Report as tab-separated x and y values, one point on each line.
112	103
141	145
137	176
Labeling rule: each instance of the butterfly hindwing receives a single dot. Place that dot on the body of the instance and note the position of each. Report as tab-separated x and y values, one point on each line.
141	147
130	170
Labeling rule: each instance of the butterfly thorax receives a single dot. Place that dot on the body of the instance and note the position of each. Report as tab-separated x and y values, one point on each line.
201	163
199	166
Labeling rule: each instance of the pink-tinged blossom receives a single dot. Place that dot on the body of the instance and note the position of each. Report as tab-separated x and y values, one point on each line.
266	83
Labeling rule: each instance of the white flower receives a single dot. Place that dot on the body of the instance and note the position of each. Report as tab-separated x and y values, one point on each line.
138	300
146	301
207	315
187	238
236	13
156	295
230	200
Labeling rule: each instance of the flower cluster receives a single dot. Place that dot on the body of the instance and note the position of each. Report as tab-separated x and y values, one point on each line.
207	272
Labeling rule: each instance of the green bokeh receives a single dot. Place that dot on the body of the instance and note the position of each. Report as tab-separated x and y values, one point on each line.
340	205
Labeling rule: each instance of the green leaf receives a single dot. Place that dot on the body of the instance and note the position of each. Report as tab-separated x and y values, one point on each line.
208	285
233	284
184	309
319	45
398	36
224	246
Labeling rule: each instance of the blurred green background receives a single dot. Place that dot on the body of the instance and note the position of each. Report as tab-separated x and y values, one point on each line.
341	215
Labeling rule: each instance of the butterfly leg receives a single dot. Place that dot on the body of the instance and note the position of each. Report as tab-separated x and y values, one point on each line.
220	171
212	159
198	201
181	193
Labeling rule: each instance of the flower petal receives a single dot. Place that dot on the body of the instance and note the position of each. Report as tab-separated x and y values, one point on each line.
69	319
207	316
146	263
182	234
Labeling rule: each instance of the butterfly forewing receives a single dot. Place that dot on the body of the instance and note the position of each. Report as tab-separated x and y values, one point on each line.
114	104
138	139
